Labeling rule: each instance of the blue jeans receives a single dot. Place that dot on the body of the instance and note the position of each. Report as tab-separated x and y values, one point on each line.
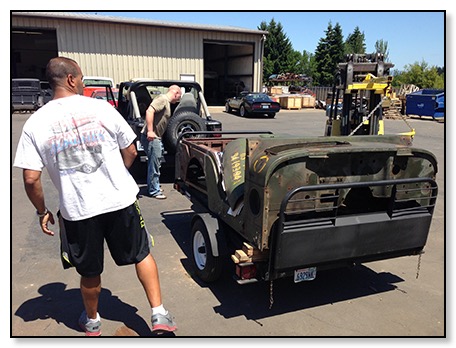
154	151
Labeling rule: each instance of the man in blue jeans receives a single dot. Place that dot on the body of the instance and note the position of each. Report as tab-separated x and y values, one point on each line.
157	116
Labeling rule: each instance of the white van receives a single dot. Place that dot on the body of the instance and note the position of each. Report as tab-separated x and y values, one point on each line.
97	81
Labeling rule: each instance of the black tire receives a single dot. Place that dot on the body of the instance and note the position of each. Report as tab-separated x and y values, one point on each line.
207	266
243	112
228	107
271	114
181	123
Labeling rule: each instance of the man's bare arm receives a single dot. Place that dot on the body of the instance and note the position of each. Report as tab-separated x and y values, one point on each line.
128	155
34	190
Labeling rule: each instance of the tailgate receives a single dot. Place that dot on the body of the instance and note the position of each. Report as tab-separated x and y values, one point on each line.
332	237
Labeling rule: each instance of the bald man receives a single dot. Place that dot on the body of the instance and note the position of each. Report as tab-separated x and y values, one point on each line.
157	117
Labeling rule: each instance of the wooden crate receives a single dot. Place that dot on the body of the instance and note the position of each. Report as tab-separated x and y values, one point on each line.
276	90
308	102
291	102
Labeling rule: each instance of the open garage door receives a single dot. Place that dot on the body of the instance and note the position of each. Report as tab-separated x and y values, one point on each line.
228	69
31	50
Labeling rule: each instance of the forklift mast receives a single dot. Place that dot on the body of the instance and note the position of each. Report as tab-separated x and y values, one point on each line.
363	82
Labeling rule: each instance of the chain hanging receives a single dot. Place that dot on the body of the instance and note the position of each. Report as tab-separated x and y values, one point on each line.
271	297
418	266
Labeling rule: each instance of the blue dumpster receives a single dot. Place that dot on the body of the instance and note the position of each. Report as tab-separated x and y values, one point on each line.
426	102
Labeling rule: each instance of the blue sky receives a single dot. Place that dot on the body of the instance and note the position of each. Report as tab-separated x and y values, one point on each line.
411	36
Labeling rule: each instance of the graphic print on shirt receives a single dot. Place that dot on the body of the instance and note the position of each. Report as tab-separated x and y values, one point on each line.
76	145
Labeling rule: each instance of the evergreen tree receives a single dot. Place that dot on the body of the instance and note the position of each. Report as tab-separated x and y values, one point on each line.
355	42
329	53
306	64
279	56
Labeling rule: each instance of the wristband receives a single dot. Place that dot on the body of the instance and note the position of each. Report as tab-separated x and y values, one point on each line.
43	214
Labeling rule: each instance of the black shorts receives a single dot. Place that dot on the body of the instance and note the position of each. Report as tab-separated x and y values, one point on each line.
82	242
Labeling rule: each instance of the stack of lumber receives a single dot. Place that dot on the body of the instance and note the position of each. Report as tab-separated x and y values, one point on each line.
248	253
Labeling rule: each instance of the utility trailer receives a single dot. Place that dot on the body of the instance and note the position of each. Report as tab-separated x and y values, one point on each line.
286	206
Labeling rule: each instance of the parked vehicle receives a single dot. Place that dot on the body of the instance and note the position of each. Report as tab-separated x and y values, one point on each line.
97	81
190	114
111	95
26	94
46	92
287	206
247	103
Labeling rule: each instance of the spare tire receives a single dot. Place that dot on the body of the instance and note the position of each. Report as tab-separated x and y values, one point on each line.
183	122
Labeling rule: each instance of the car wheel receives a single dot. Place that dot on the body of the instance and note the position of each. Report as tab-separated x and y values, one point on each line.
242	111
271	114
227	107
184	122
207	266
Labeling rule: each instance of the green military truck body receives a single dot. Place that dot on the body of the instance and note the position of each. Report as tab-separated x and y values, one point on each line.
305	203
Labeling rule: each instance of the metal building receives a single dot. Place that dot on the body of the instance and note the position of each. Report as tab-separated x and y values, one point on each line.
221	58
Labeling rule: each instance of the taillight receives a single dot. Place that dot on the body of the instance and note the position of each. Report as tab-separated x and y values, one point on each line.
246	270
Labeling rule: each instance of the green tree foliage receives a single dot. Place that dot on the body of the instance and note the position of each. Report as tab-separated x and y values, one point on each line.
355	42
329	53
279	56
421	75
306	64
381	46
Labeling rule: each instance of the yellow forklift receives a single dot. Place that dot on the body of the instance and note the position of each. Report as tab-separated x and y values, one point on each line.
361	85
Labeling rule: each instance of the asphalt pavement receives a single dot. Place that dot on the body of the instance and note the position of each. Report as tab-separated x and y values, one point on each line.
378	299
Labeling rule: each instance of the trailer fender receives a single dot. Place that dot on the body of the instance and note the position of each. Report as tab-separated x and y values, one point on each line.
215	231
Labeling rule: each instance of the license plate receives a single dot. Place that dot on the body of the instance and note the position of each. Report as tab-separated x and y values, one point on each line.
305	274
265	106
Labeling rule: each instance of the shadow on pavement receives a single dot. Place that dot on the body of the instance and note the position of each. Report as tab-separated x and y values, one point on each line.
65	306
254	300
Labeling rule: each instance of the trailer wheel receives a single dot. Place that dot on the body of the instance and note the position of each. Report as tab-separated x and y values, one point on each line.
208	267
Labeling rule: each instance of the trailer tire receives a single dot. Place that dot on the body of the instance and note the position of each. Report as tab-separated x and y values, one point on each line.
207	266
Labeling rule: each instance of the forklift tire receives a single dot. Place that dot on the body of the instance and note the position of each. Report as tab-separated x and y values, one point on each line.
207	266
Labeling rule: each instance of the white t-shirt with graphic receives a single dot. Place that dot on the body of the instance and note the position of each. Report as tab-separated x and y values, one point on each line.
78	139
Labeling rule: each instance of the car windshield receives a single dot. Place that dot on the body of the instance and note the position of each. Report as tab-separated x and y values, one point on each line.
258	96
102	95
97	82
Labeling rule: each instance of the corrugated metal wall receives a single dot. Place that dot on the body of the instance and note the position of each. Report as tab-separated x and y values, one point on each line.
125	51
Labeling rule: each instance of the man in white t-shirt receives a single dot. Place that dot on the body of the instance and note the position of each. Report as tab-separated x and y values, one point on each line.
87	147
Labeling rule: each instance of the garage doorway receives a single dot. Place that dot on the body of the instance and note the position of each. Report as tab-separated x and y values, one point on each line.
31	50
228	69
